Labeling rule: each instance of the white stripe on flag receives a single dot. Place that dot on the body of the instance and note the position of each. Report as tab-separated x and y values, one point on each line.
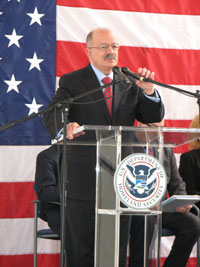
132	28
166	244
17	238
177	104
18	163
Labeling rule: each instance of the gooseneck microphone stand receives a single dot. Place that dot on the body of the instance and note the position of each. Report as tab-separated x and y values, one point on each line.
63	190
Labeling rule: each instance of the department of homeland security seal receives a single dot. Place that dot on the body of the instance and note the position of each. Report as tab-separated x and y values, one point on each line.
140	181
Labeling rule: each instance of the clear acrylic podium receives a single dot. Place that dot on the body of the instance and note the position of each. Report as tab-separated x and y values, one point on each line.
113	144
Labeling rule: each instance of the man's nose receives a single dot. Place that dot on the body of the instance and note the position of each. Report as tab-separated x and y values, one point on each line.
110	48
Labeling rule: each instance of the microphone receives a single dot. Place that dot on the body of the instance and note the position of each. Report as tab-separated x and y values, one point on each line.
135	75
122	76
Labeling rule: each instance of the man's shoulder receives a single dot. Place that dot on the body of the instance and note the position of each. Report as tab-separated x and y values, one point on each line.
191	153
168	151
49	152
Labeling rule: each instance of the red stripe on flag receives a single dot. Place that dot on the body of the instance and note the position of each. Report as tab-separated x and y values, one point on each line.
185	7
177	123
70	56
50	260
192	262
170	65
181	149
15	200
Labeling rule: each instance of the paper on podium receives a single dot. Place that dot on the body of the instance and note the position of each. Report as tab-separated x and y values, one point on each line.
80	129
175	201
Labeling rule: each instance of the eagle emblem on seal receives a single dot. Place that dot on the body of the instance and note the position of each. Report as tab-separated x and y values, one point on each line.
141	180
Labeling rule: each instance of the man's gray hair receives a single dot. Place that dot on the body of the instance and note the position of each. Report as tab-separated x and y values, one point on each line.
90	35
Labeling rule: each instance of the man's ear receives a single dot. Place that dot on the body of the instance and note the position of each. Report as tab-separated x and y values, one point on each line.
88	52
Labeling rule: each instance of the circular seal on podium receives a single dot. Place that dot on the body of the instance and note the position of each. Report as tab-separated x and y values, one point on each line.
140	181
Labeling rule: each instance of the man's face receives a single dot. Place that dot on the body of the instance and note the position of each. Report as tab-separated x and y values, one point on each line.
103	60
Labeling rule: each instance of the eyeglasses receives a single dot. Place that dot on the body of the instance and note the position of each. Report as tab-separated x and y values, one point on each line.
105	47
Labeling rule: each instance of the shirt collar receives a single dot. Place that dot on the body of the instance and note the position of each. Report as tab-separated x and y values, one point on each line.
101	75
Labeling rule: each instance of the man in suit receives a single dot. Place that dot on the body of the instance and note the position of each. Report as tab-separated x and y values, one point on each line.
183	223
46	183
189	167
141	101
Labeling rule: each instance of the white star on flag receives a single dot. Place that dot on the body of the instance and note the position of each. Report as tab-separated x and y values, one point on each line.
35	62
35	17
33	107
12	84
14	38
1	13
17	1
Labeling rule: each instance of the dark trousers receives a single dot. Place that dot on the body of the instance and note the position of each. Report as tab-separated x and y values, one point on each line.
136	241
80	223
186	228
53	219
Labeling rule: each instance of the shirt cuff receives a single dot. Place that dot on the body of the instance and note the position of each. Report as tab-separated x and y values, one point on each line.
155	98
59	134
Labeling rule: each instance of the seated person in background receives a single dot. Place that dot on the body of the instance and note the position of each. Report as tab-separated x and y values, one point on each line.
189	168
183	223
46	183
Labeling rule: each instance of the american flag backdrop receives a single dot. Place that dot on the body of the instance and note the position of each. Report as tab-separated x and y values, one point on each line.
40	41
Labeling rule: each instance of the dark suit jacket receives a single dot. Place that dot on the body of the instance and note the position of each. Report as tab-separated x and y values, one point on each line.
127	106
175	184
47	184
46	175
189	170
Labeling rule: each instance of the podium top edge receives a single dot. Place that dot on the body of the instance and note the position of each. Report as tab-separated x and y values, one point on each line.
137	129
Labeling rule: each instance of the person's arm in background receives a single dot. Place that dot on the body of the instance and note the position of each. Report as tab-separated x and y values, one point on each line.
176	185
46	177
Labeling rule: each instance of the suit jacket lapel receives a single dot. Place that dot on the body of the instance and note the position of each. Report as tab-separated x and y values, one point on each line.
118	94
92	82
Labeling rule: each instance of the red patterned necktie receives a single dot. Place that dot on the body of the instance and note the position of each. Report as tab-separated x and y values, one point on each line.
108	94
151	151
